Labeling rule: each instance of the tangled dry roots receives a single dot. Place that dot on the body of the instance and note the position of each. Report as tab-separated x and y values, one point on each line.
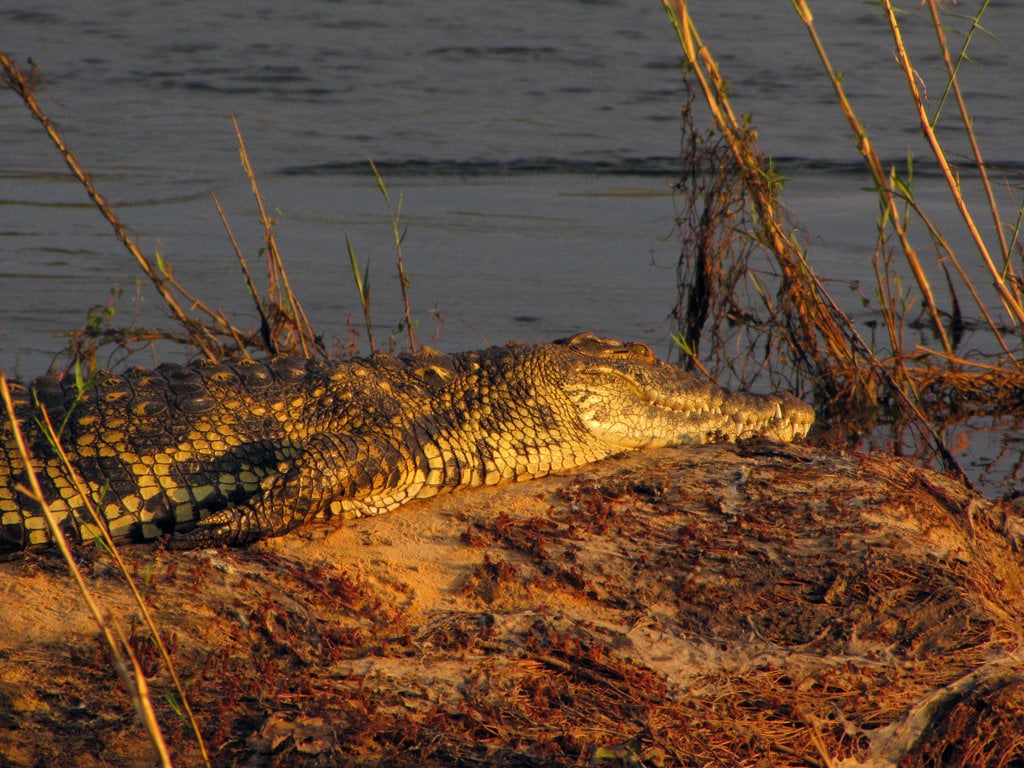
985	726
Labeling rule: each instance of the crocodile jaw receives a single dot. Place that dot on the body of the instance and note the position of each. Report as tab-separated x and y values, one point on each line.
628	399
635	420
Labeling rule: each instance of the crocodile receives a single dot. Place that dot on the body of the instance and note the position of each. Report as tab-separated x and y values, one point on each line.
211	454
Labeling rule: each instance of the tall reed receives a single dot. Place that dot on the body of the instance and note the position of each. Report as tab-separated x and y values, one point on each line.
821	338
918	382
285	328
399	235
124	660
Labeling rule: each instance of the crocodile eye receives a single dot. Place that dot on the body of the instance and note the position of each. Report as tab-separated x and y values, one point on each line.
433	374
640	351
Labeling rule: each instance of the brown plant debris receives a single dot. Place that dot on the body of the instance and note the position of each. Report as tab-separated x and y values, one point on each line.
747	605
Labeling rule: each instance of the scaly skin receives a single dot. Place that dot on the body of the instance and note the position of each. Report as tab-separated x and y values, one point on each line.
217	454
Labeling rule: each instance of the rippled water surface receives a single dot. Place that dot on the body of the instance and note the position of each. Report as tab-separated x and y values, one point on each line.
533	146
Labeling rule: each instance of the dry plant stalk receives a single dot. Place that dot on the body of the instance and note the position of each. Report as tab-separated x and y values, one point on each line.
807	313
878	176
266	332
15	79
1010	301
53	437
134	682
297	322
280	314
889	189
953	86
395	214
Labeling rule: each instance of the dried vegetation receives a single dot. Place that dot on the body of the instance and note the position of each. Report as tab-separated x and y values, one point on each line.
742	606
747	282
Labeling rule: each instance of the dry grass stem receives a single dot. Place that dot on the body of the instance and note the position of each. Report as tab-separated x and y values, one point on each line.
284	327
265	326
134	684
53	437
880	178
1010	301
277	276
399	235
16	81
953	85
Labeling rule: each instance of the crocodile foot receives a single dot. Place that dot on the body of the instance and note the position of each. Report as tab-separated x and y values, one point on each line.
232	527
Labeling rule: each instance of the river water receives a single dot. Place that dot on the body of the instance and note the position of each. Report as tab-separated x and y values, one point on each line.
533	146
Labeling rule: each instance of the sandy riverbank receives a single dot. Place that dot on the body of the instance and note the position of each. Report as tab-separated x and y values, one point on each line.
720	605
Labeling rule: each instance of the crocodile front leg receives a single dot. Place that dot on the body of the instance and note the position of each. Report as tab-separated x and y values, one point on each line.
331	471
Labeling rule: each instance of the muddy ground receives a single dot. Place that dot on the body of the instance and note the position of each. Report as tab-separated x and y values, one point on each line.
761	605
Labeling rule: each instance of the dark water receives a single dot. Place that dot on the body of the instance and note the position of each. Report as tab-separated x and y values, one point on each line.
533	145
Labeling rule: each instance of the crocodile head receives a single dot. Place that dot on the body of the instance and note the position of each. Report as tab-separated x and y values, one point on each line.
629	399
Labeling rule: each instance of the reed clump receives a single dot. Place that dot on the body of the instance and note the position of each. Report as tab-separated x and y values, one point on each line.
284	327
779	307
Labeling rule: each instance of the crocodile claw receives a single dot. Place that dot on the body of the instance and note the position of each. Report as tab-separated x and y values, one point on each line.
232	527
